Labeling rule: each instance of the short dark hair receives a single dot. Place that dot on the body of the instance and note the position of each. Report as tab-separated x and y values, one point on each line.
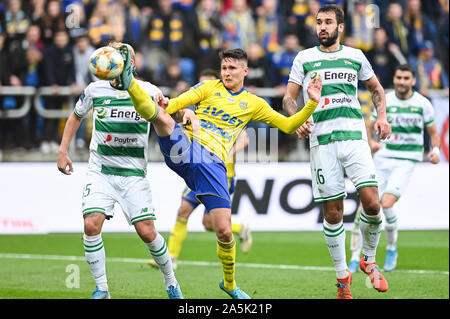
210	72
337	11
405	67
237	54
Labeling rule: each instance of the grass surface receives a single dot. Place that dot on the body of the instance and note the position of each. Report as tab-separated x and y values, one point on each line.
41	266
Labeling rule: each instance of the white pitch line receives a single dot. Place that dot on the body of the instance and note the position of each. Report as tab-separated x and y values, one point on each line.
201	263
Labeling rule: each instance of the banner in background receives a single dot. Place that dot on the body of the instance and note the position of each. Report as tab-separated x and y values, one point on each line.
441	116
37	198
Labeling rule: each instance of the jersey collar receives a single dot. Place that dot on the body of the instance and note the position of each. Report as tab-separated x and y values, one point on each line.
237	93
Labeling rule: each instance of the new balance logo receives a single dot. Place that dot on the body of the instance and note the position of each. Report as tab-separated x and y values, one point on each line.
317	64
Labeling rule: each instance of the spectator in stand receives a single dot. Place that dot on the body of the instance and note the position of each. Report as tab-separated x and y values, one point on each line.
358	28
283	59
209	34
76	21
382	60
239	23
30	56
396	29
12	133
269	26
429	71
420	27
443	43
308	35
105	25
164	37
173	78
258	74
37	13
16	22
59	71
82	50
53	21
142	71
131	19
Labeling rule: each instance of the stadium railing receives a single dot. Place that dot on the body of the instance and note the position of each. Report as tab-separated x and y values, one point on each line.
33	98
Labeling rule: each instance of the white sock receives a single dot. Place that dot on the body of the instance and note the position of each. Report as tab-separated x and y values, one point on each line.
356	244
371	227
95	257
391	228
335	239
160	253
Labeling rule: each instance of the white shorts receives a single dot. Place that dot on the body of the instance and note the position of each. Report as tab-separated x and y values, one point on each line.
393	175
132	193
331	162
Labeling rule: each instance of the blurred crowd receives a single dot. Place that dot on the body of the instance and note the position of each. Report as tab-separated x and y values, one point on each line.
48	43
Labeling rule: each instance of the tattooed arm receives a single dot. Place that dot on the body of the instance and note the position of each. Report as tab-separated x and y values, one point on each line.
290	107
381	126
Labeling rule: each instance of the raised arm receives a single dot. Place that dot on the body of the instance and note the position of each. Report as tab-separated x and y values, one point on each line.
290	124
381	126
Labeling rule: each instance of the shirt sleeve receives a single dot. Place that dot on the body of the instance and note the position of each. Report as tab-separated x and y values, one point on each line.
428	113
366	71
84	103
269	116
191	97
297	75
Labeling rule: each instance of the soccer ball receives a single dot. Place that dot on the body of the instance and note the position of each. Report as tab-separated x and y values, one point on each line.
106	63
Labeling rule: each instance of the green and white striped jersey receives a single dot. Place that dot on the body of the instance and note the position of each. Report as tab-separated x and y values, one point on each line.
338	116
119	142
407	118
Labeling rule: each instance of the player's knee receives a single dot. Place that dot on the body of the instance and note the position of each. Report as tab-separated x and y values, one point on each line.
147	235
372	208
224	234
92	225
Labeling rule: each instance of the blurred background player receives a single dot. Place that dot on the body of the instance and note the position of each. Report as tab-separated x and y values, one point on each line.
338	140
116	173
395	159
189	200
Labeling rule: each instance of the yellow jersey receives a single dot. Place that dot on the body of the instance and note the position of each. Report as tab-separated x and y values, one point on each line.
224	114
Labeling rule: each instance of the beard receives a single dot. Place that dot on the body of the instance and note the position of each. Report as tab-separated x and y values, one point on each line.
332	38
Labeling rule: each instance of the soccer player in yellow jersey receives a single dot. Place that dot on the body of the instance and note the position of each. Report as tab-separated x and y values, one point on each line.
198	154
189	201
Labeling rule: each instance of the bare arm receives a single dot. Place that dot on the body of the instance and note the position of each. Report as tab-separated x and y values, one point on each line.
290	107
435	142
290	98
64	162
374	145
381	126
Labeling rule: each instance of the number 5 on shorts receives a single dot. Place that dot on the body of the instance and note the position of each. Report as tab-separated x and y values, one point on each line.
87	190
320	179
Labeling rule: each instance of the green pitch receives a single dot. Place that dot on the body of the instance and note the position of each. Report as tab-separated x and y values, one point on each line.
289	265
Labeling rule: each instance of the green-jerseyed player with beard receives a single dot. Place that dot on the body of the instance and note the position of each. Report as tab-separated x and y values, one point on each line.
338	140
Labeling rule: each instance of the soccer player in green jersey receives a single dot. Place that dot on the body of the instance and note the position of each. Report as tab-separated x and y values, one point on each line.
409	113
116	173
223	107
338	140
